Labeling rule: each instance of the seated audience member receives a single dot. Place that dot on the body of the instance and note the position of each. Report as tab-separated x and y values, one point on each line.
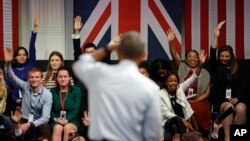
192	136
177	113
198	93
144	68
88	48
196	136
65	107
226	89
4	103
159	70
36	101
3	93
55	62
22	62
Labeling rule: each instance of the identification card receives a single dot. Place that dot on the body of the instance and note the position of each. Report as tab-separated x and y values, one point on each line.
31	118
63	114
190	91
20	94
228	93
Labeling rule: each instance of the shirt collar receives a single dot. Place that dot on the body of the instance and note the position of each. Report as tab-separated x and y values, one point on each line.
39	92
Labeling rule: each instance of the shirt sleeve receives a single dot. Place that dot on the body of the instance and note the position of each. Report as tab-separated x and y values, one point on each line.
87	68
187	83
152	123
77	46
45	111
32	50
13	78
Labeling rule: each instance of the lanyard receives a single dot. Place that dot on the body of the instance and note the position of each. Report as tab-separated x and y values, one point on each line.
62	101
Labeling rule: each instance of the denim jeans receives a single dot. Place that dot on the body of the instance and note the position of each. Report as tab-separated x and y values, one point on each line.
6	122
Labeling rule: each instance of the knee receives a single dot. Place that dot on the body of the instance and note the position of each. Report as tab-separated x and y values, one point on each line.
69	128
240	108
58	129
225	106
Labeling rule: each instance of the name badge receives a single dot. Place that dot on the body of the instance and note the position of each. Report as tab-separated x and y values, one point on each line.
31	118
20	94
63	114
190	91
228	93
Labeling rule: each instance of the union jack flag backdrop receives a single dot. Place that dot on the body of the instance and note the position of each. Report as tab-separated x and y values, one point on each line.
192	21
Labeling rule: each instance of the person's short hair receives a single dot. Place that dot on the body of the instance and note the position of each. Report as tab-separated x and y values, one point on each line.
132	45
144	64
35	69
191	136
89	45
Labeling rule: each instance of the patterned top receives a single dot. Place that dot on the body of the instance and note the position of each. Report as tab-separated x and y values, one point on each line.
51	83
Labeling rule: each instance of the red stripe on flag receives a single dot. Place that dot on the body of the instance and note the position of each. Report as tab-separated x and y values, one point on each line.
98	26
129	15
221	17
15	30
239	29
204	31
164	24
1	29
188	24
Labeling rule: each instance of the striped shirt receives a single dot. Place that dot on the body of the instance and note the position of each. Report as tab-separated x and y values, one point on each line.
51	82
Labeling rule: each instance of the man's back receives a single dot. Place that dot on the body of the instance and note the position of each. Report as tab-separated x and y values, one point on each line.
123	103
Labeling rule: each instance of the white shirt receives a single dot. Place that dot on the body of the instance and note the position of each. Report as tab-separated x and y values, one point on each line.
166	107
124	104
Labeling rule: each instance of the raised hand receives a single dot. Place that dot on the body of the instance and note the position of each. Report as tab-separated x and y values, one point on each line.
115	42
202	56
8	54
17	115
117	38
36	23
216	31
86	118
36	20
77	24
170	35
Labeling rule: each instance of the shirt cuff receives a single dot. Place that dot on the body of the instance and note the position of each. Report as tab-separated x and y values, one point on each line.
74	36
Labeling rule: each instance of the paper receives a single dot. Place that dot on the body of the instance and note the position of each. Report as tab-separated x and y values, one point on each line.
190	96
221	24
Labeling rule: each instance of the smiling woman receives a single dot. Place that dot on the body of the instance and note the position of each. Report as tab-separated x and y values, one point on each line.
55	62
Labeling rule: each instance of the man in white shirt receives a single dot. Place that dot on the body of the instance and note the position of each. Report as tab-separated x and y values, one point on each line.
123	104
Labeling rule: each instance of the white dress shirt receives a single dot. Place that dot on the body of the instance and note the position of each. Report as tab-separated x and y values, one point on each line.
124	104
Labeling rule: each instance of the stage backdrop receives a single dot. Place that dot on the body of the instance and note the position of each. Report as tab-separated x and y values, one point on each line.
8	24
192	21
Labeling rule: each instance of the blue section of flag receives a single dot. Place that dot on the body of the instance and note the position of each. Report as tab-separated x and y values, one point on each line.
155	50
175	11
84	8
105	39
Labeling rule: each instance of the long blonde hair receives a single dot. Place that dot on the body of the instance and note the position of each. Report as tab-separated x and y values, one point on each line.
3	92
